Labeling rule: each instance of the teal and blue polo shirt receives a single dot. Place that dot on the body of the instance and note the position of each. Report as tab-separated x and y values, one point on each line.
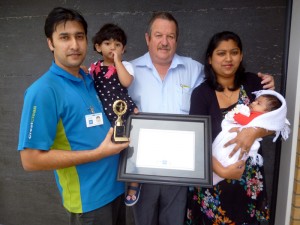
53	117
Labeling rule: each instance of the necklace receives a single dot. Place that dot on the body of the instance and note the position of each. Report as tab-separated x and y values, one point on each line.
227	96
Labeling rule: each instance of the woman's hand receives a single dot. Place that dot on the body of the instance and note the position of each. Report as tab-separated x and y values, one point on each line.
233	171
245	139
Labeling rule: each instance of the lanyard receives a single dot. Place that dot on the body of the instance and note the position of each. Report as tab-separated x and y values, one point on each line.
90	107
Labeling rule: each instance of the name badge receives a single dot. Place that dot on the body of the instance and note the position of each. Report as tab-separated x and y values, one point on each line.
93	120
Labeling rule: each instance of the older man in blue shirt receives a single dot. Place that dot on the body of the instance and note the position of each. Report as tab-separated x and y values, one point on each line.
163	84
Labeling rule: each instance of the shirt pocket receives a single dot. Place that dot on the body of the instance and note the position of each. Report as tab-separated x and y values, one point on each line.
185	93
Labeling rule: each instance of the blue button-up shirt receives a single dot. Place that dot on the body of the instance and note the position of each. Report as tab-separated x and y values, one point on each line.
171	95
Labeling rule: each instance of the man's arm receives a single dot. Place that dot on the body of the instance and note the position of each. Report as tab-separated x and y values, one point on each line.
267	81
33	159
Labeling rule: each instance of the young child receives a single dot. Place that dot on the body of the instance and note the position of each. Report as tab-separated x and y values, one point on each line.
267	111
112	77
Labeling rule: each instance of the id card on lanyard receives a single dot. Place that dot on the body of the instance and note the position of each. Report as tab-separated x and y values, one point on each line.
94	119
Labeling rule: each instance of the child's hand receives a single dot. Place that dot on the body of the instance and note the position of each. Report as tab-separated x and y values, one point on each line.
117	56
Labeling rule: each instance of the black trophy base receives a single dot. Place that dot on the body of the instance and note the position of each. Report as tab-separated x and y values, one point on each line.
119	134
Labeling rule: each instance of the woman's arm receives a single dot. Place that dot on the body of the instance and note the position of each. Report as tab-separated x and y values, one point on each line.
245	139
233	171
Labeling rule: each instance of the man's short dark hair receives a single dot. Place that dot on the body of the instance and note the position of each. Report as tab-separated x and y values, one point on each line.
62	15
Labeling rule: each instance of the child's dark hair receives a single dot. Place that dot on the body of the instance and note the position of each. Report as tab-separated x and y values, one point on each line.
273	102
110	31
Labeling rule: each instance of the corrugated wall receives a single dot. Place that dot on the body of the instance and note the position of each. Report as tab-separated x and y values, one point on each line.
32	198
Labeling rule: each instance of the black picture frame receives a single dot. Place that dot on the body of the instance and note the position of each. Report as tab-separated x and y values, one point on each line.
153	135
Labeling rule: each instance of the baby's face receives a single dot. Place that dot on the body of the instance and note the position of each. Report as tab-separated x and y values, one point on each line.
259	105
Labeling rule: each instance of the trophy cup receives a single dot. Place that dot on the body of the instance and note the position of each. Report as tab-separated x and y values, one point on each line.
119	108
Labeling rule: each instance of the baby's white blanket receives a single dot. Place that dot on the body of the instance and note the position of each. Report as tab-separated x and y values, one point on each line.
274	120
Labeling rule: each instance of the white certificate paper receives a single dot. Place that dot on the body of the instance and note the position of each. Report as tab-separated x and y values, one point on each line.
166	149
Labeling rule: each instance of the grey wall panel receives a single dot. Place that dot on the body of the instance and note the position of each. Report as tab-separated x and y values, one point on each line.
32	198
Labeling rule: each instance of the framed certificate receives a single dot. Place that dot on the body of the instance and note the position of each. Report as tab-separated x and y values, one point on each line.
167	149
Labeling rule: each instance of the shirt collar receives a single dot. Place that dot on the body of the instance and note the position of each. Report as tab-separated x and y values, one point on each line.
177	61
61	72
146	61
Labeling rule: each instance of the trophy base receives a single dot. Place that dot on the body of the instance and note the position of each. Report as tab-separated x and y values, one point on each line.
119	134
120	139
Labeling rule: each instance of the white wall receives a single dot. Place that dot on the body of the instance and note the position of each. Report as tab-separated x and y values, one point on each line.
289	147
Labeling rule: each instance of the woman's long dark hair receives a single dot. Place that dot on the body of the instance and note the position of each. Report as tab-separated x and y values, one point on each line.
208	70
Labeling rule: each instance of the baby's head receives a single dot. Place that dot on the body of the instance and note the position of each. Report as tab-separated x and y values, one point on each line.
265	103
108	32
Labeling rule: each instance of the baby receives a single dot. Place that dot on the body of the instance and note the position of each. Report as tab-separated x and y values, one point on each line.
267	111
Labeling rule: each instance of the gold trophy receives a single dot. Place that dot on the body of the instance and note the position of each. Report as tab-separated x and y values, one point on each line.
119	108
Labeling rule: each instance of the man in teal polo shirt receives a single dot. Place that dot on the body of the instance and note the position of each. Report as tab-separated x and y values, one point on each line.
59	130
